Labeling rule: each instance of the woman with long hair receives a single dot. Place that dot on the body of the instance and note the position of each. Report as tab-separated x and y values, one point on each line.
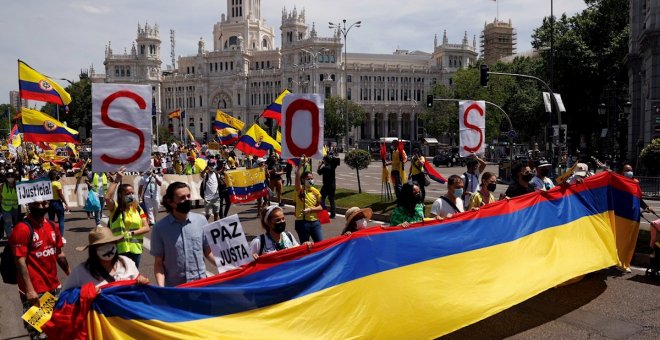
126	218
409	208
104	264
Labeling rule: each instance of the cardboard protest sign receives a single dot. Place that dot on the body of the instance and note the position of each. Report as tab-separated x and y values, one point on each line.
228	243
34	191
38	316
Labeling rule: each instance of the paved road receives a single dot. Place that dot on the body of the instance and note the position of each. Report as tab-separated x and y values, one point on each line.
604	306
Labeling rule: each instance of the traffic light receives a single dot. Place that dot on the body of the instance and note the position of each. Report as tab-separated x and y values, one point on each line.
562	135
429	101
484	77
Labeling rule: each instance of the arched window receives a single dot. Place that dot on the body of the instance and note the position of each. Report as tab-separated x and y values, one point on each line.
233	40
264	43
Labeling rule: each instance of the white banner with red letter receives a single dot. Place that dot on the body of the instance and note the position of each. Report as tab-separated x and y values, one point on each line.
302	126
472	127
121	127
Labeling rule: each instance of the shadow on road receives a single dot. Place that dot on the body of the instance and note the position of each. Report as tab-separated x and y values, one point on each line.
536	311
646	279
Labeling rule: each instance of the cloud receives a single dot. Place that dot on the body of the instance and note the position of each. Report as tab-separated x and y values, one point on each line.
90	8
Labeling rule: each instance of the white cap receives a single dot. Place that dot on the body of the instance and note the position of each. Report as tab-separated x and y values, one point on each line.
581	169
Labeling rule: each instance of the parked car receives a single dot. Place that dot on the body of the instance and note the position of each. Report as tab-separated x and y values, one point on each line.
448	159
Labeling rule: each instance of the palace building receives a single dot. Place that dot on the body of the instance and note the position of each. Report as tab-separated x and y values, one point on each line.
242	71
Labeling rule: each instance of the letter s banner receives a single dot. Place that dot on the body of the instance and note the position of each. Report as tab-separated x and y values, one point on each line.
472	127
121	126
302	126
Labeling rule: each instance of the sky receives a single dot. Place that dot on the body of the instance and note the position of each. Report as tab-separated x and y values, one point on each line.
59	38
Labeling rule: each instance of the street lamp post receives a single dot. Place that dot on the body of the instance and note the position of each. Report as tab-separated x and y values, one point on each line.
344	31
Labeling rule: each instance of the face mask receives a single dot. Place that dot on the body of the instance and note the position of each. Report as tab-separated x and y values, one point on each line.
38	213
128	199
279	227
527	177
309	183
458	192
491	187
106	251
628	174
184	207
361	223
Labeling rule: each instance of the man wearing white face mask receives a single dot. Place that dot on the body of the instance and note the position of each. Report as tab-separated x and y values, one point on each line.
356	219
627	171
104	264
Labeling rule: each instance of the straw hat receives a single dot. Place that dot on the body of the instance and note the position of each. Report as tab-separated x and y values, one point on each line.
100	235
356	213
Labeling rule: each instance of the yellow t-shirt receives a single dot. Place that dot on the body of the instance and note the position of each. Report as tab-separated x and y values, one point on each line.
418	167
477	200
312	199
397	163
56	186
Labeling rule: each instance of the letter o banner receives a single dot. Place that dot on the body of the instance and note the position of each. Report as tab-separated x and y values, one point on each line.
291	109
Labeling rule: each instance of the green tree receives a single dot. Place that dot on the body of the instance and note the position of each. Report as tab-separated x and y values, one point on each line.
335	121
650	157
359	160
589	53
165	136
6	123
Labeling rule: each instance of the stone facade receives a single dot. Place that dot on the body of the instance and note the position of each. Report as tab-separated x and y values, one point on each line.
244	72
644	75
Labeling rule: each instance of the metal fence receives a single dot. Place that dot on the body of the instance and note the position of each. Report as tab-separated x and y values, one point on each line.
650	186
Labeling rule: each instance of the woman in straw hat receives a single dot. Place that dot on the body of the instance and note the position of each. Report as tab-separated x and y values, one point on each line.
356	219
104	264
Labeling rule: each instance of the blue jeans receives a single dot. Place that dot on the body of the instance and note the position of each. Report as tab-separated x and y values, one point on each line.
57	208
307	229
99	214
10	218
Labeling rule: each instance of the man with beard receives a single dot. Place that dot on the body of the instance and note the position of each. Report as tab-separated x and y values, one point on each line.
177	241
37	246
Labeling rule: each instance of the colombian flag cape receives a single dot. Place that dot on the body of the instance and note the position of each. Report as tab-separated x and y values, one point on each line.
40	127
35	86
274	110
257	142
415	283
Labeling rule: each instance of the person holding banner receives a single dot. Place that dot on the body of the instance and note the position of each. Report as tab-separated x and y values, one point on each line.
37	247
126	218
9	202
275	238
308	204
485	193
104	264
409	207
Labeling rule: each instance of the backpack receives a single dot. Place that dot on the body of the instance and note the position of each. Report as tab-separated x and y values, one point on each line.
8	267
262	238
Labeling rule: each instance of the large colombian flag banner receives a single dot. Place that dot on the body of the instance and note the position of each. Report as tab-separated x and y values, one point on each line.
35	86
40	127
415	283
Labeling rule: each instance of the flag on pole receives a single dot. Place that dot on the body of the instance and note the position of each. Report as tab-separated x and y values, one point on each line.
35	86
40	127
257	142
223	120
15	137
176	114
433	174
274	110
193	140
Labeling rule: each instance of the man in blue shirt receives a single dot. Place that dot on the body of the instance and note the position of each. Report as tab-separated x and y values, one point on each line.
177	241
